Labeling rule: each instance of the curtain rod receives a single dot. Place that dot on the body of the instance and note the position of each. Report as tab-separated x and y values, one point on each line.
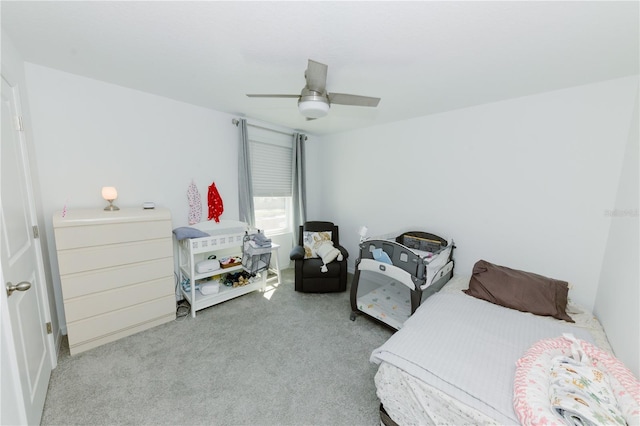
235	121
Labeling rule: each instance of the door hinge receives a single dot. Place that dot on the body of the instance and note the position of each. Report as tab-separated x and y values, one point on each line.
18	123
49	330
36	234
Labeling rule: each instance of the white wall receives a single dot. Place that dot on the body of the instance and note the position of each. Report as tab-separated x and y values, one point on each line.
618	302
89	134
523	183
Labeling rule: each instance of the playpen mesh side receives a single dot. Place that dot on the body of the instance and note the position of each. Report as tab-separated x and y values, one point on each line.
400	256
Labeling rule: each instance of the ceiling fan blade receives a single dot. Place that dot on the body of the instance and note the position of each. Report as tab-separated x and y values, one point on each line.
316	76
356	100
272	96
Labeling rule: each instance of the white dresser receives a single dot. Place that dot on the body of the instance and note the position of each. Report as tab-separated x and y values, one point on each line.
116	271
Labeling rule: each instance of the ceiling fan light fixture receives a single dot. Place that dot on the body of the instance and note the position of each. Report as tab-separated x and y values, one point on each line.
313	108
314	101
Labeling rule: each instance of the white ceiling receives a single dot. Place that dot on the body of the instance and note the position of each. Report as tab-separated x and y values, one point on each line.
420	57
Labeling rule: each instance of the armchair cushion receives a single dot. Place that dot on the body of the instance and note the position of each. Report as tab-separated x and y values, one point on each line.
312	269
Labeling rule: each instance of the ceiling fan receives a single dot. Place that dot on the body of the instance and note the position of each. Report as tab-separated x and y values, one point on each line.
314	101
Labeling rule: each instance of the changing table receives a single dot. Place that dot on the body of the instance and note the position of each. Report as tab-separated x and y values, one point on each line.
225	239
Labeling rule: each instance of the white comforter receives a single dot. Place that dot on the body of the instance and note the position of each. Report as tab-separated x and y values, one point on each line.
467	348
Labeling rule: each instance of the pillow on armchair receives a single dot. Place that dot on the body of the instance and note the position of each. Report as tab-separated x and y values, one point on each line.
328	253
313	240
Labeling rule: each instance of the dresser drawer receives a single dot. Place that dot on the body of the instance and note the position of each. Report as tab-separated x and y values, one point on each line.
87	259
83	283
100	303
102	325
112	233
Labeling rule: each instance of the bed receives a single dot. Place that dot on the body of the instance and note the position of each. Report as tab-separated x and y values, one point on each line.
455	359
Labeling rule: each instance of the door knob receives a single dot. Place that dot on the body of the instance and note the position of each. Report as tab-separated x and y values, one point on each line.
22	286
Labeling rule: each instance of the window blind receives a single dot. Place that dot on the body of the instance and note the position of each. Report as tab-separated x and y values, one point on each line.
271	165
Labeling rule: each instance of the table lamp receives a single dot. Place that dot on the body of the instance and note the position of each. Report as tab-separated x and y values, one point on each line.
109	193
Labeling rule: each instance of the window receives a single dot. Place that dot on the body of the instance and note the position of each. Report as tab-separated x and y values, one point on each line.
271	172
273	214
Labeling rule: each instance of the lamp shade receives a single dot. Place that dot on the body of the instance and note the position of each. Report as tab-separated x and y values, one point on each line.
109	193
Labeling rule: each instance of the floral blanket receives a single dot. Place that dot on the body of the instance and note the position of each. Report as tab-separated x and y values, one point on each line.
570	381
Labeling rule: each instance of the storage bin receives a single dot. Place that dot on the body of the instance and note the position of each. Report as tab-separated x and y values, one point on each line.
255	258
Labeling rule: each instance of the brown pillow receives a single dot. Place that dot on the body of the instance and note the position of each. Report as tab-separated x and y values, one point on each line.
524	291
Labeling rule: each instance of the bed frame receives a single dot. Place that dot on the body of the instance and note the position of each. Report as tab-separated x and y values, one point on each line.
385	419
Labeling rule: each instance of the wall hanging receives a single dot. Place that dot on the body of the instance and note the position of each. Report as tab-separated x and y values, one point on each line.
215	203
195	204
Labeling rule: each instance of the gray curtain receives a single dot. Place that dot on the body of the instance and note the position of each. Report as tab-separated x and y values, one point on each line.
245	189
299	192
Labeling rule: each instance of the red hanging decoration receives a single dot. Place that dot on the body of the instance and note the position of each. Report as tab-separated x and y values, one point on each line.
215	203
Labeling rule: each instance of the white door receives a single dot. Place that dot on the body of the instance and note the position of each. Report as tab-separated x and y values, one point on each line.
29	349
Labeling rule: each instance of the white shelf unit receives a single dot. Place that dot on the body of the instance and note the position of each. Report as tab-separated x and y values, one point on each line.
193	250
